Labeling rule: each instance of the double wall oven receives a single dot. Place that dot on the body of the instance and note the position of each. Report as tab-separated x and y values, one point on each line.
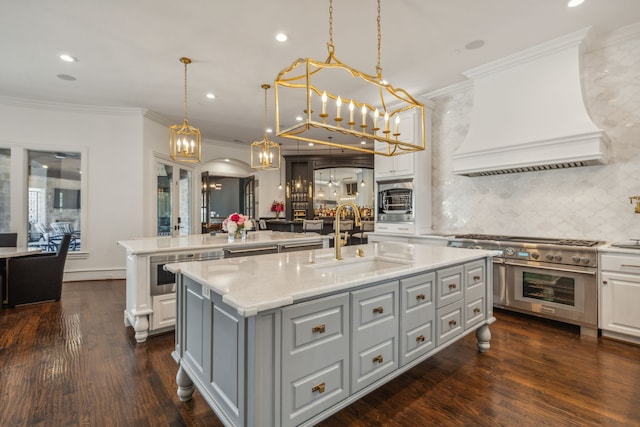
552	278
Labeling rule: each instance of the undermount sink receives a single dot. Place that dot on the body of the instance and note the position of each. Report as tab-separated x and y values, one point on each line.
359	265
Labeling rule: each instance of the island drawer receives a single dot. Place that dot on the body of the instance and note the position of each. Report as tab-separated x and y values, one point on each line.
449	322
374	330
449	285
474	311
475	279
315	357
417	316
313	393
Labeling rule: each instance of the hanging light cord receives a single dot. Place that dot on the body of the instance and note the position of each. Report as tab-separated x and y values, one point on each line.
331	23
378	67
185	61
265	87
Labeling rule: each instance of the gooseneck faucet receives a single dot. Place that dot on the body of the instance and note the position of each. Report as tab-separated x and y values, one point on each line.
338	240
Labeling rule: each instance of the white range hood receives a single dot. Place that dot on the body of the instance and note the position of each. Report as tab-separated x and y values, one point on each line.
529	114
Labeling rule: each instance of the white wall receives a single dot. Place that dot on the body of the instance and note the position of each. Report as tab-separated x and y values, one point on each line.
112	153
583	203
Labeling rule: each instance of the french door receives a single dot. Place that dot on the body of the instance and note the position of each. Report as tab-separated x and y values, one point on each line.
174	199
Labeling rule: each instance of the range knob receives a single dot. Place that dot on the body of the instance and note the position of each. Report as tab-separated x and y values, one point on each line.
575	258
550	257
535	255
585	260
557	258
510	251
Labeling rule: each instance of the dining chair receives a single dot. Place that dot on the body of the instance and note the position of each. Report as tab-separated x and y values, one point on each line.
38	277
8	240
315	225
365	226
345	225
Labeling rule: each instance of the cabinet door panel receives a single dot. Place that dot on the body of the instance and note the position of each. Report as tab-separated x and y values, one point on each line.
449	285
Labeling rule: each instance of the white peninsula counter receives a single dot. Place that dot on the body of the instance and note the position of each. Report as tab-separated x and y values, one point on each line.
289	339
151	300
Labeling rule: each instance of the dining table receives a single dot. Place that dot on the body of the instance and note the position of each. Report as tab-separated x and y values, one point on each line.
5	255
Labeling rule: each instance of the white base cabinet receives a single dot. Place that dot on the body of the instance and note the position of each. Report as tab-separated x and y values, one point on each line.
619	315
298	364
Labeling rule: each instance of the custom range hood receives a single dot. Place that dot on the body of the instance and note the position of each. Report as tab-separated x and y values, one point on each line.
529	114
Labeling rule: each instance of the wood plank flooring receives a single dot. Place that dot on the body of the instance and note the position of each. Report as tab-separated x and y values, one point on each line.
73	363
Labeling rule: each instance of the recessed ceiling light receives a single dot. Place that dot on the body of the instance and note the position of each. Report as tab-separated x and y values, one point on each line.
211	95
476	44
299	118
574	3
269	130
311	144
281	37
68	58
66	77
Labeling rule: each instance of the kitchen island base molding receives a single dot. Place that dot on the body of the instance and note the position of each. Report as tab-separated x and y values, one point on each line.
302	362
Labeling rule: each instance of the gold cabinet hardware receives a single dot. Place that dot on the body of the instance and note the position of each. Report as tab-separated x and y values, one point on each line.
476	310
637	199
319	329
420	297
377	359
378	310
476	278
452	323
319	388
452	286
420	338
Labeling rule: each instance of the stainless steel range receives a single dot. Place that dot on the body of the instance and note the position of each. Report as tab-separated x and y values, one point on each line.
551	278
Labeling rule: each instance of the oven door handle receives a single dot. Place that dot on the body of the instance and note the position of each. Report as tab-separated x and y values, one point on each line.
563	269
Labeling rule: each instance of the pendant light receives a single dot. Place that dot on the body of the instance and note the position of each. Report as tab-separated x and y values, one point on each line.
185	143
265	154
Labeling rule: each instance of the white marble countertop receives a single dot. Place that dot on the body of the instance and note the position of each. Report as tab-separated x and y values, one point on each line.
257	283
168	244
613	249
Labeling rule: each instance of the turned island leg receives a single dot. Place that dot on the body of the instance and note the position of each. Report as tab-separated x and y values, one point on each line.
483	334
185	386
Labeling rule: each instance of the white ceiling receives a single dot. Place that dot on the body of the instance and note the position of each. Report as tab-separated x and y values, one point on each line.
128	51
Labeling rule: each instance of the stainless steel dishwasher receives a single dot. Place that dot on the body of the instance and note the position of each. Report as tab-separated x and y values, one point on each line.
164	282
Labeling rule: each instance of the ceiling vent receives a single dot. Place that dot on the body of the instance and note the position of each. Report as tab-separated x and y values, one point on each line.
529	114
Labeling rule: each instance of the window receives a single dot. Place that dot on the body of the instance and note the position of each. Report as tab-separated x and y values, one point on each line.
5	186
54	199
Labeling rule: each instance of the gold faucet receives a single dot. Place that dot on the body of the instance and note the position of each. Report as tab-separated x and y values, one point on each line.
338	240
637	199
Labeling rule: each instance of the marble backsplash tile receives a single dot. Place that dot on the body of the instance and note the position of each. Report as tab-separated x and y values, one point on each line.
589	202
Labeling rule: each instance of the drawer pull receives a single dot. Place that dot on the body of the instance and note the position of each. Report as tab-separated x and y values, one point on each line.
452	323
476	310
420	297
319	329
377	359
630	265
420	338
319	388
378	310
452	286
476	278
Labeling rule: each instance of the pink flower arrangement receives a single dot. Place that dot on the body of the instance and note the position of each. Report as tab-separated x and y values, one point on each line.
277	206
236	222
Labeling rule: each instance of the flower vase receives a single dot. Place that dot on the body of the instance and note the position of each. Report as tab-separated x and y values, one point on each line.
277	215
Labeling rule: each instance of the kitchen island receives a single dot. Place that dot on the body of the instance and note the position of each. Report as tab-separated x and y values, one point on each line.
151	301
289	339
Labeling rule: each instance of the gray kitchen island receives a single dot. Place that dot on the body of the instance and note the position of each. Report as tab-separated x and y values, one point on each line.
289	339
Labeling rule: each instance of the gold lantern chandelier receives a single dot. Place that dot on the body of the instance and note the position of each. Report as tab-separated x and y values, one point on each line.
378	118
265	154
185	144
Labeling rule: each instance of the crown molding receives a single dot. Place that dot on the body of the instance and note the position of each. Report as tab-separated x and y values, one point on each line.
615	37
71	108
450	90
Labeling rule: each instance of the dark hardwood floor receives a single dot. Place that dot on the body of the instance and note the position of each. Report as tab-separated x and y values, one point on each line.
73	363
